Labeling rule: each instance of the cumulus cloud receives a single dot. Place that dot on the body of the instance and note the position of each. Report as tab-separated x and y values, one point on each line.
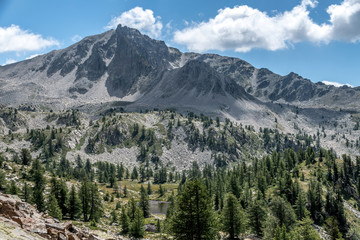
243	28
345	20
336	84
14	39
143	20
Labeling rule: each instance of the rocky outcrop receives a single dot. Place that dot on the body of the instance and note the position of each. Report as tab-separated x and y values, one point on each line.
18	218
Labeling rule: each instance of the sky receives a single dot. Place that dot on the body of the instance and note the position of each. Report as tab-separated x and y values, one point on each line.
319	40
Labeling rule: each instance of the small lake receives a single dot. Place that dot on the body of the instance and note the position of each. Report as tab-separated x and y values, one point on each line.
158	207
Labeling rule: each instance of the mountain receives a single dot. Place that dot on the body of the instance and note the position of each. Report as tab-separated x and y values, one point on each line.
123	68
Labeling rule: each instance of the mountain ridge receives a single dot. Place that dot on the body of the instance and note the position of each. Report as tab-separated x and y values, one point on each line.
127	66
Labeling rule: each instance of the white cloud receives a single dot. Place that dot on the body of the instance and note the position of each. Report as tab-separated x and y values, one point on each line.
9	61
32	56
243	28
76	38
14	39
141	19
336	84
345	20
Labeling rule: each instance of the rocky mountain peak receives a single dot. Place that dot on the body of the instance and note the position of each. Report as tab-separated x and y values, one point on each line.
124	64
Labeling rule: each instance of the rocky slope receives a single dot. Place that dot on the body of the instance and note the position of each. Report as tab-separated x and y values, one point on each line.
124	65
20	220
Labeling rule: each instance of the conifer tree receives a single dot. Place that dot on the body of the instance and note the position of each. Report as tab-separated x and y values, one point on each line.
332	229
2	180
59	189
26	192
233	217
53	207
84	196
116	190
149	190
281	233
74	203
125	221
194	217
134	174
118	205
161	190
137	224
37	172
12	188
113	216
95	203
144	202
256	217
282	210
131	207
305	231
315	201
158	225
300	206
125	191
25	156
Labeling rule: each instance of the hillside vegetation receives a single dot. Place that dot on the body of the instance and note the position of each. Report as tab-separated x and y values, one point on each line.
220	177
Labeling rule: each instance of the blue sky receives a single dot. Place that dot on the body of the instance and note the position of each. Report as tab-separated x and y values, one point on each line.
318	40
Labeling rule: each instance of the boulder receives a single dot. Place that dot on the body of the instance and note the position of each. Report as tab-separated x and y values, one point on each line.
25	216
150	228
93	237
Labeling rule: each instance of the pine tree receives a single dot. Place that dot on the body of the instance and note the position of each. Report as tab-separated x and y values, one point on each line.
37	172
25	156
144	202
12	188
118	205
158	225
134	174
300	207
282	210
26	192
131	207
116	190
149	190
120	172
125	221
113	216
125	191
281	233
305	231
332	229
315	201
194	217
137	224
74	203
2	179
53	207
161	190
256	217
233	217
84	196
59	189
95	203
234	186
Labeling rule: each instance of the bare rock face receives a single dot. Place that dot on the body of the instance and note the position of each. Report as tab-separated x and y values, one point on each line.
125	65
23	218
